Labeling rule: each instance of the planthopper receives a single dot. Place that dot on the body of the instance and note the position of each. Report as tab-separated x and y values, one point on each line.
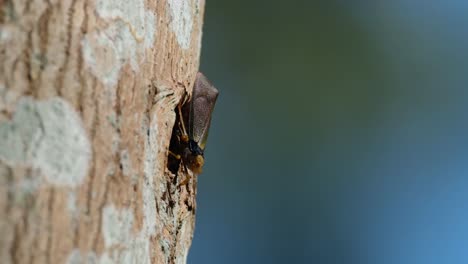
192	125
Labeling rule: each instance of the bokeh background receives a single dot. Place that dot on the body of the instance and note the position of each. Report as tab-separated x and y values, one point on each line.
340	134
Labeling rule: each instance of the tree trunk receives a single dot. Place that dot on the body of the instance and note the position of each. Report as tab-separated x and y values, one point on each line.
88	90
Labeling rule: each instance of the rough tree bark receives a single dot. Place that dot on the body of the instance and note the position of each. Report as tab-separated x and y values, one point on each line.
88	90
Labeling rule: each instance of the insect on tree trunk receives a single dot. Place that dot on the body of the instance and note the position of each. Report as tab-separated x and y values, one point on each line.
88	90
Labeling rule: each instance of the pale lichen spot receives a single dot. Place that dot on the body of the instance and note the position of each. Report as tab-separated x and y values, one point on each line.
131	31
141	22
116	225
132	12
77	257
5	34
72	208
47	135
105	52
150	29
181	21
74	257
122	246
106	259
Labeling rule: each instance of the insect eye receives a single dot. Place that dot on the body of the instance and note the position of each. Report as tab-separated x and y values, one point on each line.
194	148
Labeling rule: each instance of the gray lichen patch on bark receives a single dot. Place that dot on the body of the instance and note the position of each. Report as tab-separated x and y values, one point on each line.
47	135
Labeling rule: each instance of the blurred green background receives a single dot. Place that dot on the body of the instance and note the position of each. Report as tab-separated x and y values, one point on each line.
340	133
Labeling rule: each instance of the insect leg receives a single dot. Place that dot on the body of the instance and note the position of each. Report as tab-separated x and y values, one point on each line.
176	156
184	136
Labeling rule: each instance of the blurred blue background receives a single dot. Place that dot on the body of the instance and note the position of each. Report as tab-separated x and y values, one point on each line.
340	134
